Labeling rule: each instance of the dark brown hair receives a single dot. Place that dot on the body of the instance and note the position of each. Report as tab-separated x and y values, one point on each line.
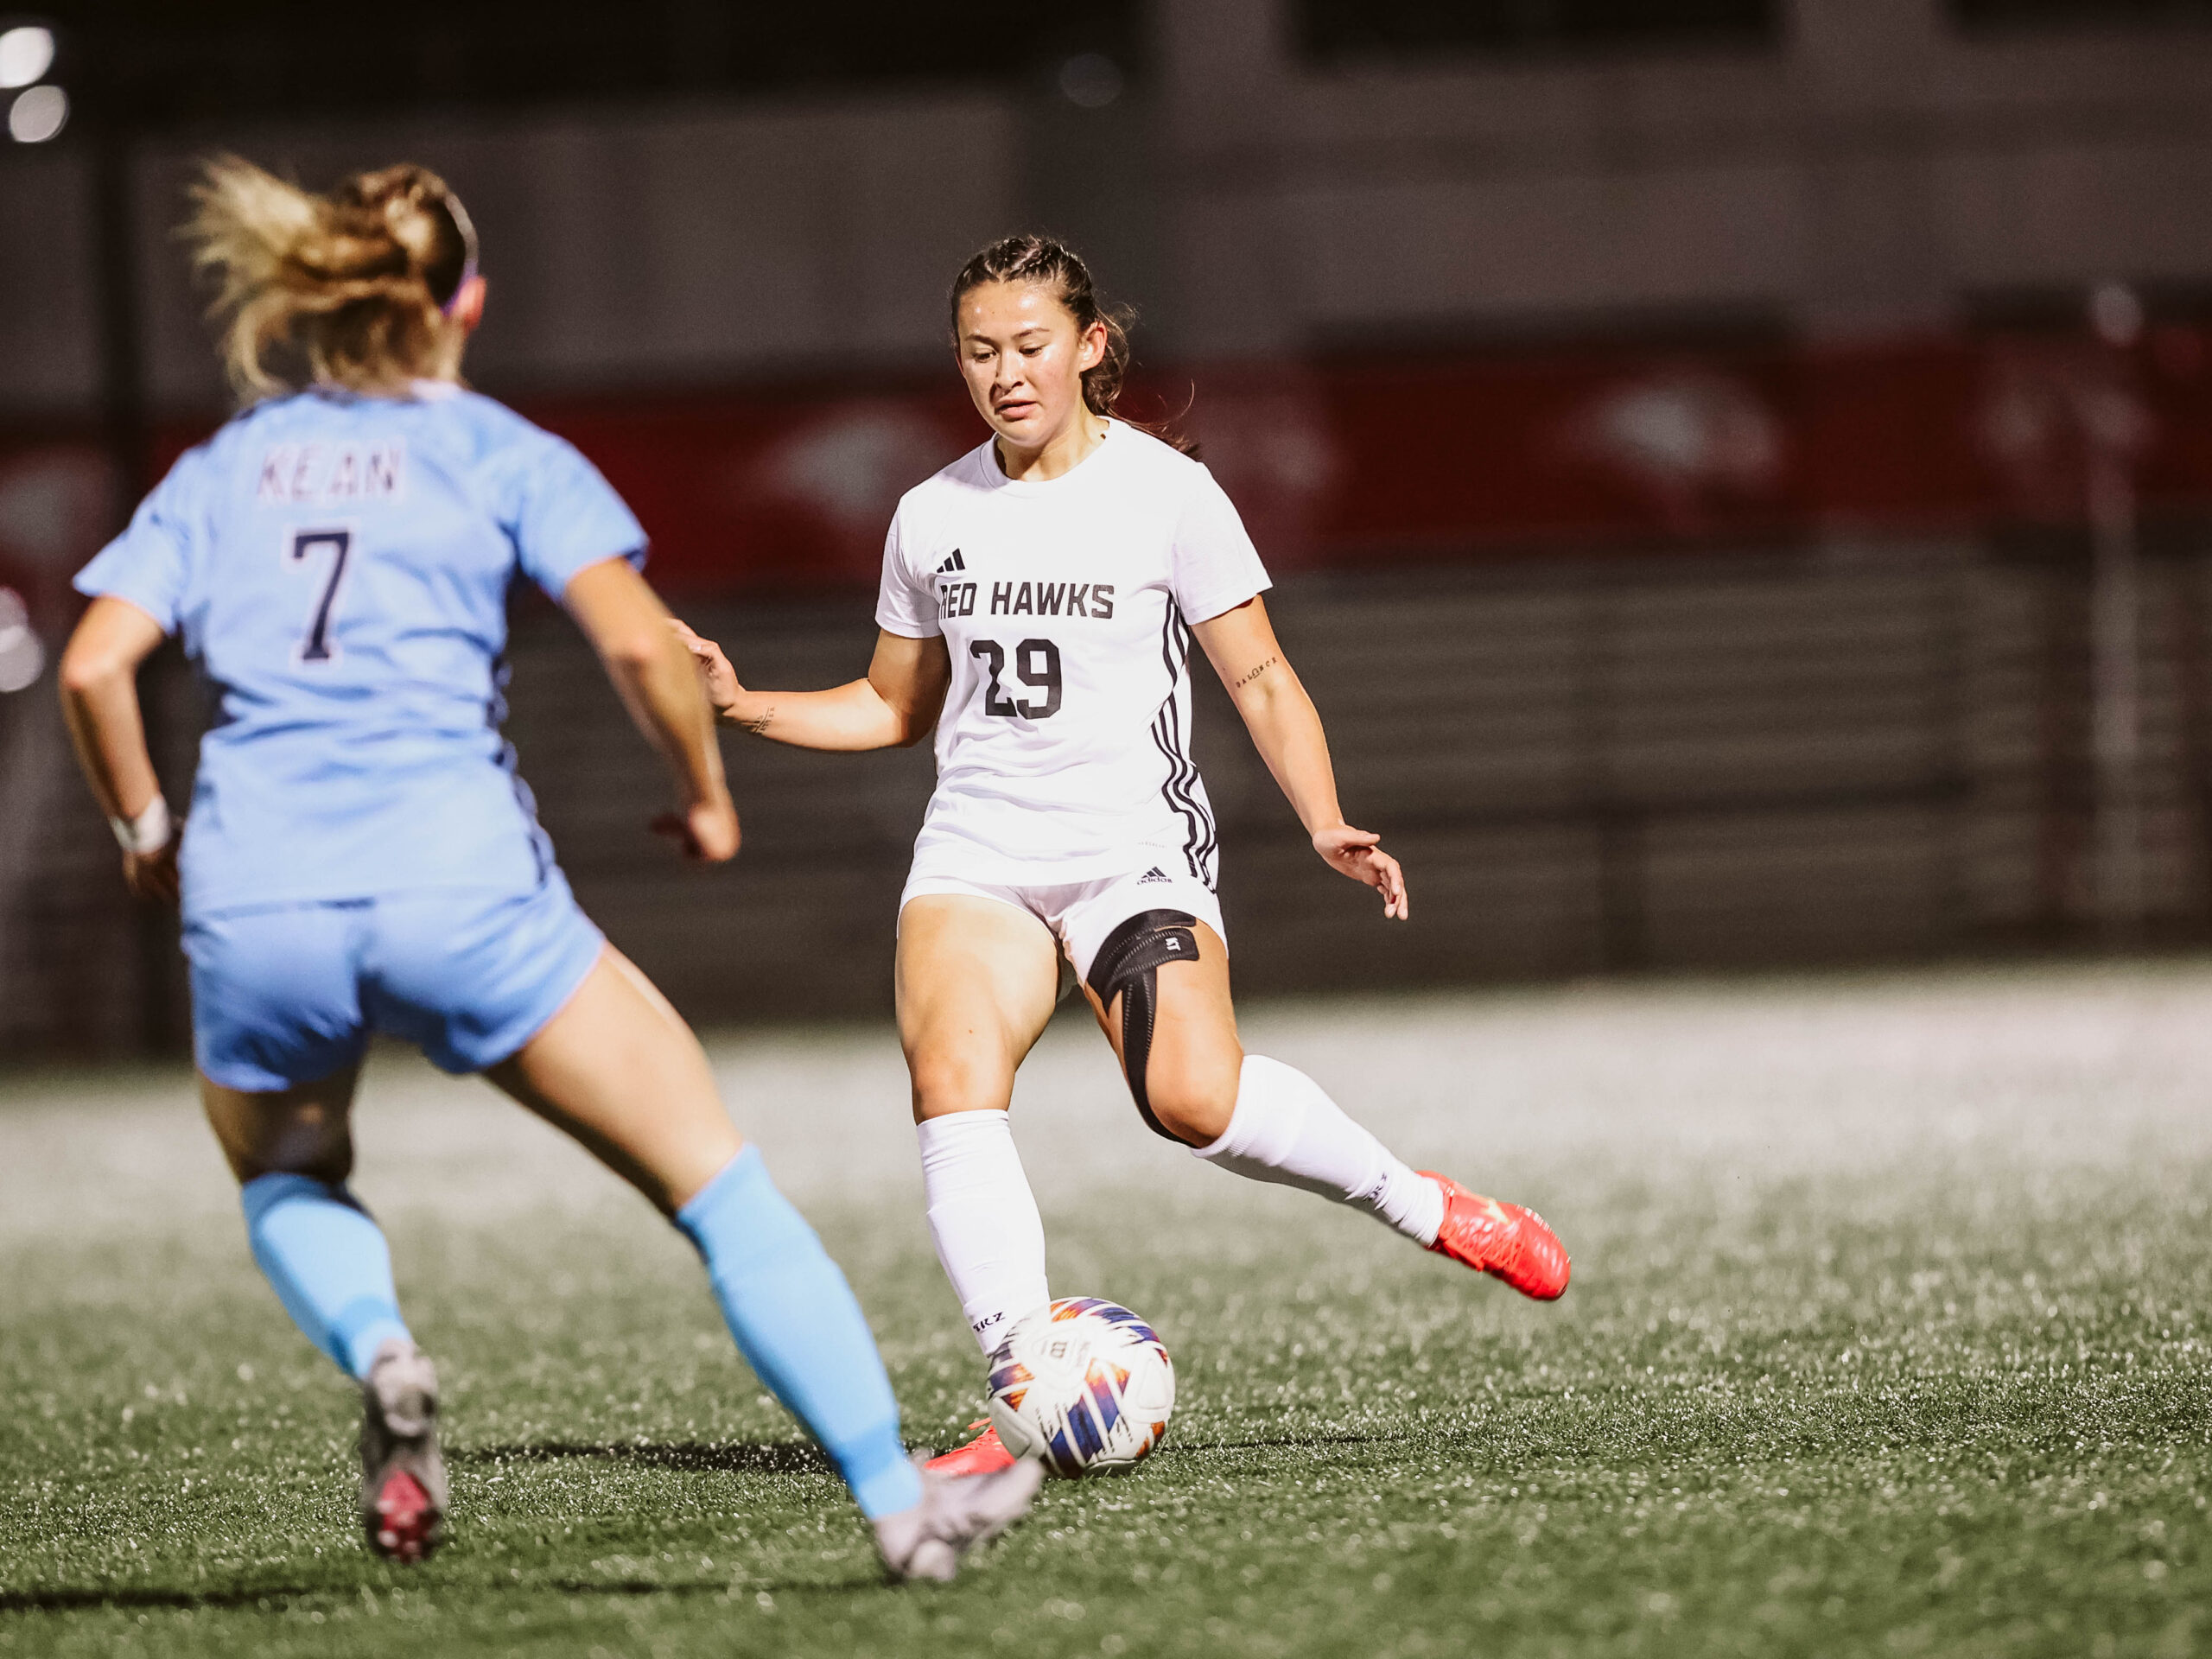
1032	257
350	287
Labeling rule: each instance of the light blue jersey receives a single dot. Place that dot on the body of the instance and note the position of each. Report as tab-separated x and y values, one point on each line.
337	567
359	857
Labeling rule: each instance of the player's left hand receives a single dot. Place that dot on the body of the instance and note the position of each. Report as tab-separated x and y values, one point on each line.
152	876
1358	854
707	831
714	671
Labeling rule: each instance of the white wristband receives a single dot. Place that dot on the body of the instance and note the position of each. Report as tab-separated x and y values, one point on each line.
147	833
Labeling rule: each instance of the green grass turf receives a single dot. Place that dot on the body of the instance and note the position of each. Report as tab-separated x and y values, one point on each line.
1888	1336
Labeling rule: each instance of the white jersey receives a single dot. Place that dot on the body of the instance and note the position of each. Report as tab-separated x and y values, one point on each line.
1062	754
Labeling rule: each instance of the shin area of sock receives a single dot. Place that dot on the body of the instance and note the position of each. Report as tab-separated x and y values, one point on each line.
983	1219
799	1326
327	1260
1286	1130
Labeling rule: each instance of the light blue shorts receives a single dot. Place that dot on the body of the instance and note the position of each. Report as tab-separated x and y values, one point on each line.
291	994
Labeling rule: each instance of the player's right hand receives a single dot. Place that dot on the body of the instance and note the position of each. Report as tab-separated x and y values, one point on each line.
152	876
707	831
714	669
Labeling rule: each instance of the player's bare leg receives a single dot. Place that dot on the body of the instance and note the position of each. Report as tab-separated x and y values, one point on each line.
1268	1123
304	1130
619	1070
1193	1065
978	980
292	1151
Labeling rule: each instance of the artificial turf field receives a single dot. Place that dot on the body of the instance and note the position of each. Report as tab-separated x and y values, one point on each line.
1889	1334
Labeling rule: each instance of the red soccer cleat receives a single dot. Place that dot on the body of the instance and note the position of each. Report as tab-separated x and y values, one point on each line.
406	1521
1502	1240
403	1473
984	1455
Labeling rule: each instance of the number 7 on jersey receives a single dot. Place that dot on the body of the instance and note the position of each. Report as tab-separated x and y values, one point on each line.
339	543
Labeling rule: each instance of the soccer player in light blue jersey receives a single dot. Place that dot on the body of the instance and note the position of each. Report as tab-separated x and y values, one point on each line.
360	857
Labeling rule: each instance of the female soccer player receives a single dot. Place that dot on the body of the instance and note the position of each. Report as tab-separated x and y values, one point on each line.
360	857
1039	600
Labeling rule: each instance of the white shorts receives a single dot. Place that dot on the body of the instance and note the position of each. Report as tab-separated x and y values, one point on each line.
1082	914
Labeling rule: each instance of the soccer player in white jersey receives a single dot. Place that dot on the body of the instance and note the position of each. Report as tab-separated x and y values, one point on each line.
360	857
1039	602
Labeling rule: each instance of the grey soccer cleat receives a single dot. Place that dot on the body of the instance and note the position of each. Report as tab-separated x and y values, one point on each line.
957	1514
403	1476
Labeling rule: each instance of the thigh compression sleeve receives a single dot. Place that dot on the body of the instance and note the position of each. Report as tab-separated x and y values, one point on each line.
1130	963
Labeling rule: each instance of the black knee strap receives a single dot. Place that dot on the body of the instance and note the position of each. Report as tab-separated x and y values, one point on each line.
1128	963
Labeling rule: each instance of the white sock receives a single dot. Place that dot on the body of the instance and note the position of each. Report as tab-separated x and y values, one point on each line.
1287	1130
984	1219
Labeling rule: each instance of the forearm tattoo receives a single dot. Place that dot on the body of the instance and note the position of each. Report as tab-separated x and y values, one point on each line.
1247	679
759	727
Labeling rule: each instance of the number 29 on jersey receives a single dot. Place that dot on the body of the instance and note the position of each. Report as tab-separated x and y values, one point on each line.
1036	664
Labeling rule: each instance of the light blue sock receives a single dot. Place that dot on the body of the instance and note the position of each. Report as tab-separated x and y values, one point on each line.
328	1263
799	1327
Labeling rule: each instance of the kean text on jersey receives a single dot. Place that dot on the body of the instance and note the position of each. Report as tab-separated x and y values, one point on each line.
332	475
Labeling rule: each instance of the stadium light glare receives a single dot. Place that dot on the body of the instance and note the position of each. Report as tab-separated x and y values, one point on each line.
22	657
2116	314
26	53
1091	80
38	114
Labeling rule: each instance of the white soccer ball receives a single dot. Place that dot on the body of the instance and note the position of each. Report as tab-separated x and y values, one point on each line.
1082	1385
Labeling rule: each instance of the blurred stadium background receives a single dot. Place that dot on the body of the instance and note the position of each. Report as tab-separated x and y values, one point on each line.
1739	471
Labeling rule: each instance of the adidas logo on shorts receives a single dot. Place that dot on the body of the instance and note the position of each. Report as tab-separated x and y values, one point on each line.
955	563
1155	874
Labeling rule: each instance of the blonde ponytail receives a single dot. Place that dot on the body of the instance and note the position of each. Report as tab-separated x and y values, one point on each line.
345	289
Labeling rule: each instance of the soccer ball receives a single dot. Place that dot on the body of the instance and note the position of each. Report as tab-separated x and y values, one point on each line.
1080	1386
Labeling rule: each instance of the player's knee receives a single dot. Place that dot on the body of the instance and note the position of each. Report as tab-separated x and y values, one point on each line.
1192	1101
956	1083
313	1144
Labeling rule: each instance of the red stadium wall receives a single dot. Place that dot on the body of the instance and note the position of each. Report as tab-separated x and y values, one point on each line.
1357	463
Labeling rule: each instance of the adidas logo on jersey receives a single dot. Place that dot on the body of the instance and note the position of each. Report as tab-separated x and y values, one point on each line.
1155	874
955	563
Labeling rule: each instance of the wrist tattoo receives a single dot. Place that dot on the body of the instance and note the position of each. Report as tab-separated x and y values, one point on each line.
759	727
1247	679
